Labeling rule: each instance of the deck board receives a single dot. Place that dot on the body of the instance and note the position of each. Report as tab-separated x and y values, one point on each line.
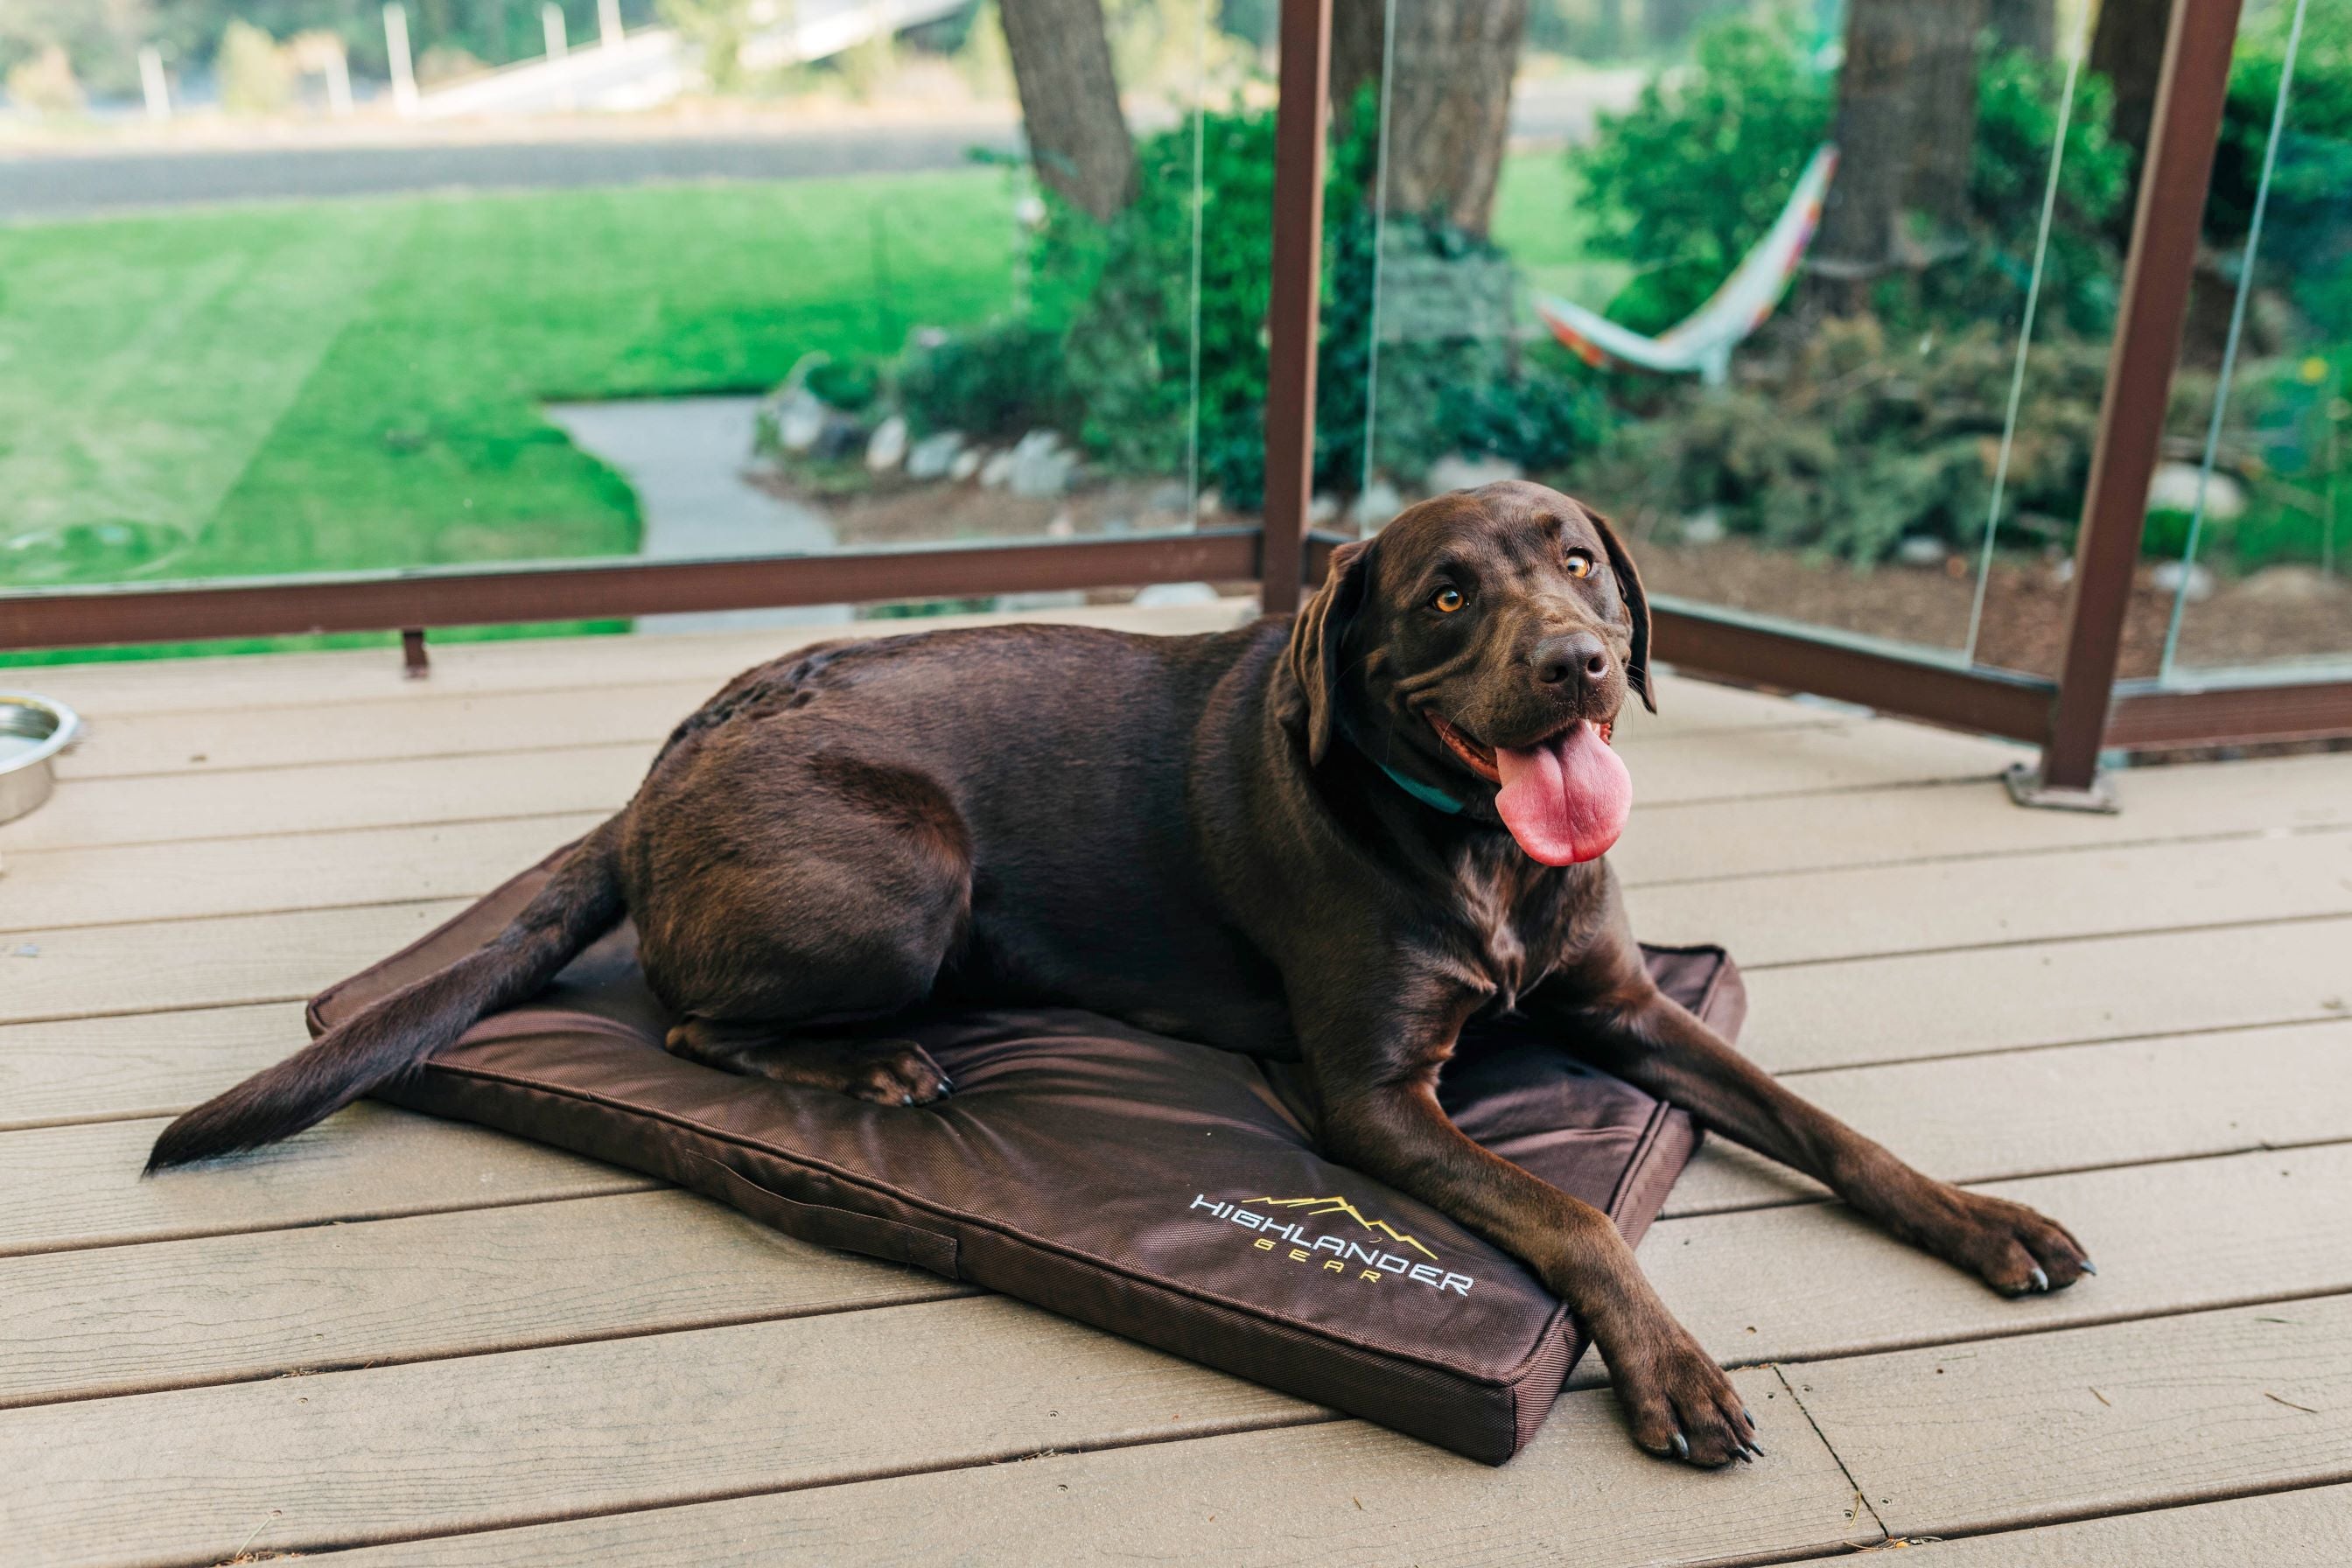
2126	1020
2127	1415
227	1309
2311	1528
80	1185
1991	1117
482	1441
1343	1494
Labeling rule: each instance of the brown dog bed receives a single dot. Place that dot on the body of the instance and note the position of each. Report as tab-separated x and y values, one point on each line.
1164	1191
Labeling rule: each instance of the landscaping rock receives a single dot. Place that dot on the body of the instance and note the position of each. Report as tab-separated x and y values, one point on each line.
1467	471
2173	487
1169	497
966	463
1041	468
1322	508
996	471
886	448
800	419
1703	528
934	456
1922	551
2168	576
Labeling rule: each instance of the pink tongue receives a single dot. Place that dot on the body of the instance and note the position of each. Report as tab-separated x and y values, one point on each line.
1566	800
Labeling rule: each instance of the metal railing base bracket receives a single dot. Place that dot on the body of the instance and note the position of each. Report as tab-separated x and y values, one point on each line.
2026	788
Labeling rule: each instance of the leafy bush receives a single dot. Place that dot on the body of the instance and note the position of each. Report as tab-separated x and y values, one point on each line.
2018	95
1686	181
1866	441
1105	351
2307	237
1690	178
996	383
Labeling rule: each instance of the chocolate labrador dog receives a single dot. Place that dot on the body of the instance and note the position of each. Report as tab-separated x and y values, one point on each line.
1337	838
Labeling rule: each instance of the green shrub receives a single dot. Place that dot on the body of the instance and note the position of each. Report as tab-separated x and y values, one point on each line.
1867	440
2308	239
996	383
1686	181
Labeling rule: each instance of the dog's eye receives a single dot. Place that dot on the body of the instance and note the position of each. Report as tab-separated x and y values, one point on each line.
1445	601
1580	565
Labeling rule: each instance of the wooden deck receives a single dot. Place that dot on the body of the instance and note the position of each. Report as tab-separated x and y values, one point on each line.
417	1342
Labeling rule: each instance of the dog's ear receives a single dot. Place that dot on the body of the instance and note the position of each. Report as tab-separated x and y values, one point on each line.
1316	637
1637	610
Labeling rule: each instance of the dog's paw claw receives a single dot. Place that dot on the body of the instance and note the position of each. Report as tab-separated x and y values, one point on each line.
2011	1248
1680	1404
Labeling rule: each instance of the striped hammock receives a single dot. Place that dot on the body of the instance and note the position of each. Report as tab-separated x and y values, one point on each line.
1704	340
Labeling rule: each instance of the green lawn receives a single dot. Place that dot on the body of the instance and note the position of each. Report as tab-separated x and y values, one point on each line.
356	384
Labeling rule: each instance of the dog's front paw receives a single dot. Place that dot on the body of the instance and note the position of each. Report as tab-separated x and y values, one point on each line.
1678	1403
894	1072
2011	1248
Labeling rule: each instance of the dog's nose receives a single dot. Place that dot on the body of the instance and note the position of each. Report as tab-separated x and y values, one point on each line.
1579	654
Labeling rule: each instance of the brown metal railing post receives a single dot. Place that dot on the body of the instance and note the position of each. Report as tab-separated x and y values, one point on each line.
2194	79
1293	310
414	663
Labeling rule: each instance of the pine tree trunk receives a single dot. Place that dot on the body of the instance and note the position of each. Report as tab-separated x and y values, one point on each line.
1078	138
2128	48
2025	25
1449	113
1906	131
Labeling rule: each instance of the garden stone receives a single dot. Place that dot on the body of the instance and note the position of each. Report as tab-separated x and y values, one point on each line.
966	464
1379	502
1117	525
997	471
886	448
1324	508
1213	502
933	456
1703	528
1920	550
800	417
2170	576
1466	471
1040	466
1161	596
2173	487
1168	497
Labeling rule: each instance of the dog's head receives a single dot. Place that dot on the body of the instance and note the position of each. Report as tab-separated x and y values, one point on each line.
1480	648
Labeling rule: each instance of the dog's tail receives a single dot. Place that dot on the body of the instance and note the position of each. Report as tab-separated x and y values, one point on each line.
394	1035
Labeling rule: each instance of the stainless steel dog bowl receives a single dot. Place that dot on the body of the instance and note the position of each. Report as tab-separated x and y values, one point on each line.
33	730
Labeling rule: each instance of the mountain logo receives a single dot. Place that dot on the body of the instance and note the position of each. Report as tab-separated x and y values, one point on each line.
1316	1207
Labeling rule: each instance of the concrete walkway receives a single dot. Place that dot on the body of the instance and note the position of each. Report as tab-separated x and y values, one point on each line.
685	458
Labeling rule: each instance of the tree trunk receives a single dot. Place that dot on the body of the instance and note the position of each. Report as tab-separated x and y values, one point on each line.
1356	46
1906	131
1943	133
2128	48
2025	25
1069	101
1449	113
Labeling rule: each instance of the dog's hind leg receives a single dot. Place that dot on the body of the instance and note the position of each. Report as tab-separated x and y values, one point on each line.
886	1071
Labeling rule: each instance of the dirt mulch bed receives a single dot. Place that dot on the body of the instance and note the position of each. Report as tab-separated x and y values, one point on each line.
2285	612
